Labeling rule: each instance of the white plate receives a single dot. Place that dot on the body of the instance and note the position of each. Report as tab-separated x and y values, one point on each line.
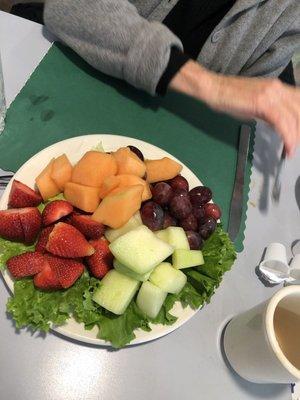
75	148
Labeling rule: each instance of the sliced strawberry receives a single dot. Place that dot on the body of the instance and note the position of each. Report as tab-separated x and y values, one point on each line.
66	270
10	225
87	226
56	210
23	196
26	264
43	239
47	279
100	262
67	241
31	222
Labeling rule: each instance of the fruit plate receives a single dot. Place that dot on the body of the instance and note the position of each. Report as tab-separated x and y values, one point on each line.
74	148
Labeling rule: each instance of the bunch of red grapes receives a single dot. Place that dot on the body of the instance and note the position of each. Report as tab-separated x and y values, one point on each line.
173	204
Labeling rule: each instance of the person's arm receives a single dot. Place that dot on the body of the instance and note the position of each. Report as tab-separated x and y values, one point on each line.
267	99
112	37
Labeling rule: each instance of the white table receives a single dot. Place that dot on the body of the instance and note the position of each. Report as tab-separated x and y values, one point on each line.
185	364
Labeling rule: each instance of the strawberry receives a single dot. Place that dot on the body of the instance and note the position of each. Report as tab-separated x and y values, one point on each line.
87	226
20	224
100	262
47	279
55	211
43	239
66	270
67	241
22	196
31	222
10	225
26	264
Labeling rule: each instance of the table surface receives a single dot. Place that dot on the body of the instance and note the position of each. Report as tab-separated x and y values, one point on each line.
185	364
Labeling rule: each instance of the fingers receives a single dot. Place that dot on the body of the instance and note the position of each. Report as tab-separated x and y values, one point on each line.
268	99
279	105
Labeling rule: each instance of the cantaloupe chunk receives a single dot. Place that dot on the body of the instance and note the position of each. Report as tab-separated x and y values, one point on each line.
84	197
93	168
116	209
131	180
109	184
47	187
61	171
112	183
162	169
129	163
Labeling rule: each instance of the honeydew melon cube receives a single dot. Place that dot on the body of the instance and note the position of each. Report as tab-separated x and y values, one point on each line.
140	250
182	258
168	278
175	236
116	292
162	235
150	299
134	222
128	272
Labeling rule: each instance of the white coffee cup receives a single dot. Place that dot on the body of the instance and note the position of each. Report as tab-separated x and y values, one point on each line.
263	344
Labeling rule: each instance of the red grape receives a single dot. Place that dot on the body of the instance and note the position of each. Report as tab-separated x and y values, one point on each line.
169	220
189	223
207	228
152	215
137	152
195	240
212	210
162	193
180	205
199	214
200	195
179	182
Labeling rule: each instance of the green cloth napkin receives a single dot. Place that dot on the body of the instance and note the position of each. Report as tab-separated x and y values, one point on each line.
65	97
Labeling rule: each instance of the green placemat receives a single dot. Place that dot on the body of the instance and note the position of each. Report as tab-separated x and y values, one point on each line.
65	97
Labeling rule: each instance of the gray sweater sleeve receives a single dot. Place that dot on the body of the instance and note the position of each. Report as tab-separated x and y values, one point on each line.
112	37
272	57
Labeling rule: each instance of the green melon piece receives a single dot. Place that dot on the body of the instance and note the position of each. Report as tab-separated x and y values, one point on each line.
116	292
128	272
150	299
134	222
175	236
187	258
140	250
162	235
167	278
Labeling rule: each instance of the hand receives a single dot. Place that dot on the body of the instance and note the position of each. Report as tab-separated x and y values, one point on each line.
267	99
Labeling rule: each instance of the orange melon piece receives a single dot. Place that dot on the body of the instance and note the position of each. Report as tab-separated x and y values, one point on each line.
162	169
116	209
109	183
61	171
93	168
131	180
46	185
129	163
85	198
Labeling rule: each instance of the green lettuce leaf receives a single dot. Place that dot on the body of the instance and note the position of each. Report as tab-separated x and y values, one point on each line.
119	329
38	310
219	255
